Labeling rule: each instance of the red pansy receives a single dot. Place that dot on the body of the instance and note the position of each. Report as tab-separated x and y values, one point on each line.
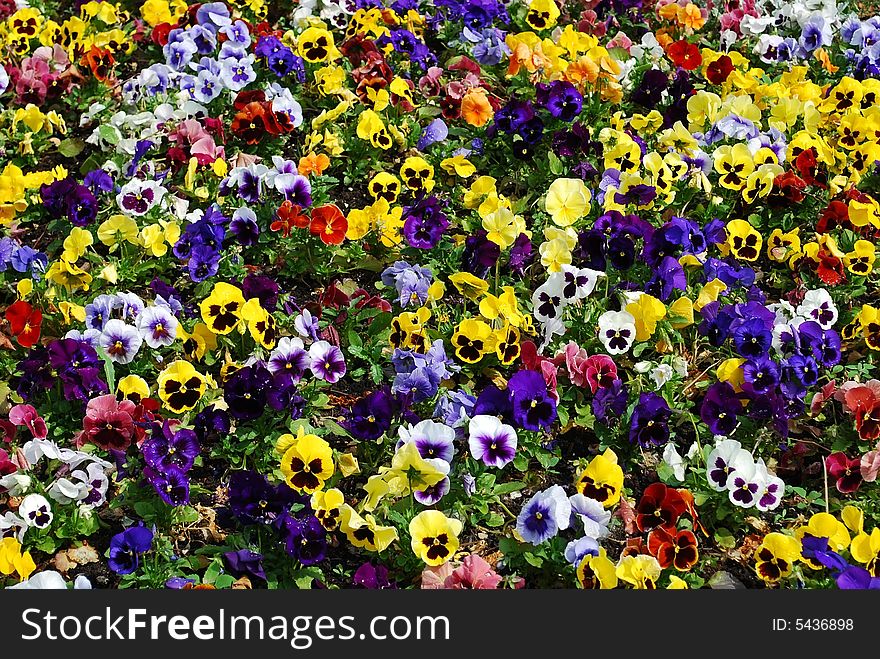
660	506
25	322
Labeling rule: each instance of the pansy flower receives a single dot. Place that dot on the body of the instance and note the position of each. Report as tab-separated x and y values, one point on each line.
417	174
306	461
24	322
649	424
171	484
617	331
157	326
327	506
120	341
597	572
602	480
221	310
776	556
126	548
533	407
364	531
329	224
640	571
491	441
434	536
326	361
674	548
660	507
180	386
845	472
472	339
544	515
36	511
725	459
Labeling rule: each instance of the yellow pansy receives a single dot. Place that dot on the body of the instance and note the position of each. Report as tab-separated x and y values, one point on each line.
118	228
734	164
602	480
471	286
503	227
76	243
458	165
743	240
709	293
647	310
434	536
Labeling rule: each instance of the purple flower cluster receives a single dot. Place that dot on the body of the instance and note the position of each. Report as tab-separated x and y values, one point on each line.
169	453
252	500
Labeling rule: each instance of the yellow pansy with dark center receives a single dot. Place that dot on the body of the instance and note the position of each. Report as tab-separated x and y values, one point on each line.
307	462
417	174
472	339
434	536
744	241
384	186
315	44
221	310
181	386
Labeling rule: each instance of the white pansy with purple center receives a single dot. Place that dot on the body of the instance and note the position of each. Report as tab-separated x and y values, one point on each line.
726	458
548	300
817	305
36	511
617	331
578	282
137	197
289	356
490	441
771	488
120	341
433	440
88	487
328	364
743	485
157	326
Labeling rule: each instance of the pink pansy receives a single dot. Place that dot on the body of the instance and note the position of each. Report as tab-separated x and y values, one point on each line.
429	84
26	415
620	40
474	573
600	371
434	578
575	358
822	397
456	90
870	465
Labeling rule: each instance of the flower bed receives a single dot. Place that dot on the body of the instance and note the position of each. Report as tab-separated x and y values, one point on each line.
448	294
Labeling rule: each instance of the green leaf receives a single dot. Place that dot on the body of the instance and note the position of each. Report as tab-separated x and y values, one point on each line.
109	134
505	488
71	147
494	520
555	164
224	581
533	560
